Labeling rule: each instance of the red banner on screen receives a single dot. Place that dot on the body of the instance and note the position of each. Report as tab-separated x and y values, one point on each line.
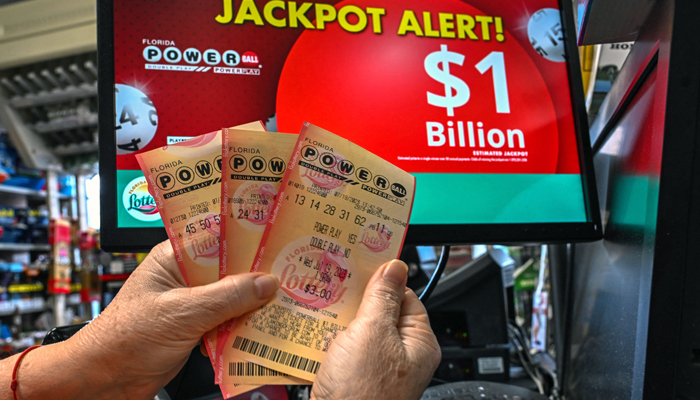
473	86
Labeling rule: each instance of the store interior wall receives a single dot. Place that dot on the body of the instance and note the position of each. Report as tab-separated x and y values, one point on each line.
612	278
633	325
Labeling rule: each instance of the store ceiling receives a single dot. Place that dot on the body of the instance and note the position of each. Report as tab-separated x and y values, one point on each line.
48	89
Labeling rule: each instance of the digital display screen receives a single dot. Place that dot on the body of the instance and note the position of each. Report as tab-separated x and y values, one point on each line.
473	97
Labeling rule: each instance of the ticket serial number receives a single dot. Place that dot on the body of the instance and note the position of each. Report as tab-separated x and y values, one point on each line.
200	208
178	218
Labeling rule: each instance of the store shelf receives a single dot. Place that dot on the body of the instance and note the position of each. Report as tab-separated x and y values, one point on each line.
24	288
55	96
34	305
24	247
67	123
25	307
27	192
76	149
74	299
22	191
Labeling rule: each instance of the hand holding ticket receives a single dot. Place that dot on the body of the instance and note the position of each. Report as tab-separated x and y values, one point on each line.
185	181
341	212
391	332
315	210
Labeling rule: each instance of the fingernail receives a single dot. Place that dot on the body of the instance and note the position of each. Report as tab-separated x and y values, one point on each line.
266	286
396	272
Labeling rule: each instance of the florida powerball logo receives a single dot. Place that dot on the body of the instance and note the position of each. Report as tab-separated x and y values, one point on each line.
164	55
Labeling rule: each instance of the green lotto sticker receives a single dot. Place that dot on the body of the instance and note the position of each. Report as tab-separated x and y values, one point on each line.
136	207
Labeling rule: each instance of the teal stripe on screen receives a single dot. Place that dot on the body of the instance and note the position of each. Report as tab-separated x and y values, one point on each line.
498	198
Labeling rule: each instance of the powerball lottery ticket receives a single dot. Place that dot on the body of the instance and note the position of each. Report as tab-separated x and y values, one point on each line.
185	181
252	170
341	213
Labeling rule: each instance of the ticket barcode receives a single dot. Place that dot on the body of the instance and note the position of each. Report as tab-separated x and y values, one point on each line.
276	355
251	369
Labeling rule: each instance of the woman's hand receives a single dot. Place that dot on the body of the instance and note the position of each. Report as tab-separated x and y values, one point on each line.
142	340
388	352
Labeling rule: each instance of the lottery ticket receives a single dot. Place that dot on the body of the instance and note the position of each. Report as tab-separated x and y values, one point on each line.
341	213
232	390
252	170
185	181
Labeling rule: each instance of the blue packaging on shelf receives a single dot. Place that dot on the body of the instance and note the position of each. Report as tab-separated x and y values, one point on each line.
38	235
12	234
27	182
7	216
32	217
16	267
8	156
66	185
5	332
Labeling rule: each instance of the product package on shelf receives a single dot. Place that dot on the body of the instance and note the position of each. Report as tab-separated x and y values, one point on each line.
185	181
252	170
341	213
60	272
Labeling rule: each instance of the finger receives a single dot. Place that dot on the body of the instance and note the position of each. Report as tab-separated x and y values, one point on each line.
413	313
230	297
415	331
384	293
203	350
413	307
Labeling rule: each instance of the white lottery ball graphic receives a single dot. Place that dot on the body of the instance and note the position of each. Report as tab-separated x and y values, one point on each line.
545	32
136	119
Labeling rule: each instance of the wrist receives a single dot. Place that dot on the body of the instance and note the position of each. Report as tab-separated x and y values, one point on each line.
52	371
104	362
92	365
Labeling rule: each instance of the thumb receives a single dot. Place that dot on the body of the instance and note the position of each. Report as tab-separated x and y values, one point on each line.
384	293
231	297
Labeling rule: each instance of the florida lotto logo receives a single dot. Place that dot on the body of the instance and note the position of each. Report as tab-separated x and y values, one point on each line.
164	55
138	202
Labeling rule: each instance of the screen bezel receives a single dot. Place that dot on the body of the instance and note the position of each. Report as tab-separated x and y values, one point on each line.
113	238
135	239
